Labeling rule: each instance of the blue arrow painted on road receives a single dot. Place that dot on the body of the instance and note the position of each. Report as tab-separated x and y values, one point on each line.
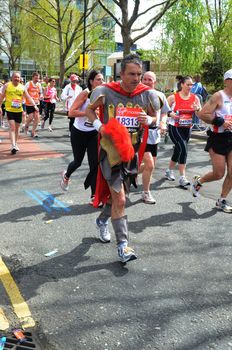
47	200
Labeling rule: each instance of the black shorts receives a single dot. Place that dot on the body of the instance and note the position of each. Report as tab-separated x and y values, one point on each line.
30	109
152	149
16	116
221	143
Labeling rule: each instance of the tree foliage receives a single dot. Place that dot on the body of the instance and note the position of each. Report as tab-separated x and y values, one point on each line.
184	36
219	48
58	25
10	32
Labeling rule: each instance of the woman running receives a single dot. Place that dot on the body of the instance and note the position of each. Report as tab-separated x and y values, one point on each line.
84	137
183	105
50	98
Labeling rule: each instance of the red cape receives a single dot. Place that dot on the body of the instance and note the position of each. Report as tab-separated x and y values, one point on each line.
102	193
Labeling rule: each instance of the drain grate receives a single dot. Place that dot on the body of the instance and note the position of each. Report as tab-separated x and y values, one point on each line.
13	343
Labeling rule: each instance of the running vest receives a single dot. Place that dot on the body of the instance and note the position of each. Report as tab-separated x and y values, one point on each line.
185	111
225	112
34	91
82	123
51	92
14	96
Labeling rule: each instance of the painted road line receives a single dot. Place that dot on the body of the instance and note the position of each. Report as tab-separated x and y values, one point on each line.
20	307
4	324
62	205
48	199
29	193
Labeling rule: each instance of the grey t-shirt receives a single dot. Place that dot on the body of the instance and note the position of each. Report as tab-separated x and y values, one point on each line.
113	100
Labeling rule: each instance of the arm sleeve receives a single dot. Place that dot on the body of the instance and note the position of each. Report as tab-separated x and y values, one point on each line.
64	95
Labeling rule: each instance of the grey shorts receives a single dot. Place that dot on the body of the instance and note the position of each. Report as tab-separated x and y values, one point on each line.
113	175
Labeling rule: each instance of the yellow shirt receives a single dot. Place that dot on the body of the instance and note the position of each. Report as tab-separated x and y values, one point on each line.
14	97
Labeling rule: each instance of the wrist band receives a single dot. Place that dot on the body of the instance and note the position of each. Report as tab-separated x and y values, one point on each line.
218	121
149	120
97	124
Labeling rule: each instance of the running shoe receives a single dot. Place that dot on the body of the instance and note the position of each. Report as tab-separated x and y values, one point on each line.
169	174
196	186
50	129
64	184
147	198
16	147
34	136
224	206
103	230
13	150
125	253
184	182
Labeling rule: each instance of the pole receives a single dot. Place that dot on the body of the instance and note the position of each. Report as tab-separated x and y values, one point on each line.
85	10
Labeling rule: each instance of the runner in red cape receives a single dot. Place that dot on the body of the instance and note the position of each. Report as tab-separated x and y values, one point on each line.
102	189
133	107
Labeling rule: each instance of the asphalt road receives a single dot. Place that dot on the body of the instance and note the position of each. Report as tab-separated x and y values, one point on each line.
176	295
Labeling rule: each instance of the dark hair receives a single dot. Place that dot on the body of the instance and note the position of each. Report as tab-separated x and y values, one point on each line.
131	58
91	76
183	79
197	78
51	79
178	77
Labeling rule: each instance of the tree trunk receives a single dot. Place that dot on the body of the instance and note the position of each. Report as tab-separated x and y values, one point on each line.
127	40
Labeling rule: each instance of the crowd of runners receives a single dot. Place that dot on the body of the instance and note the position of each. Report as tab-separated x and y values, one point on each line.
119	125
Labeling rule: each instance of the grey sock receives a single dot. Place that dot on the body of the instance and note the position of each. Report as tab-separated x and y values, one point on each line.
120	229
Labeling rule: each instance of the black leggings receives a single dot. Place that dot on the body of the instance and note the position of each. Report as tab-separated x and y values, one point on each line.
82	141
180	138
49	110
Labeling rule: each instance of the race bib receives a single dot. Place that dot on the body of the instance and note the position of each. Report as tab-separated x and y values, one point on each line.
128	116
228	118
16	103
185	120
88	124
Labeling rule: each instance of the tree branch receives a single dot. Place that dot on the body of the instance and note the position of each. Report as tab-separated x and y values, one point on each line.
44	36
111	13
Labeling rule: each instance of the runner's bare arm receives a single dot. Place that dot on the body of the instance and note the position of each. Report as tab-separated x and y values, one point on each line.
171	102
2	96
75	107
207	112
92	115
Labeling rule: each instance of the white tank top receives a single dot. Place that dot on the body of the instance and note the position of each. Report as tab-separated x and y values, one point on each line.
225	112
82	123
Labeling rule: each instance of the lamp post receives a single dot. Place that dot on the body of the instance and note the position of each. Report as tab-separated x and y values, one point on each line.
84	28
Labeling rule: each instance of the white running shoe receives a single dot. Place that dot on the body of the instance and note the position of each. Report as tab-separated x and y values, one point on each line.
196	186
103	230
184	182
169	174
64	184
148	198
224	206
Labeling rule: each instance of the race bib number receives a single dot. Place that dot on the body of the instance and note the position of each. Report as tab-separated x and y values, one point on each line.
16	103
185	120
88	124
228	118
128	116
